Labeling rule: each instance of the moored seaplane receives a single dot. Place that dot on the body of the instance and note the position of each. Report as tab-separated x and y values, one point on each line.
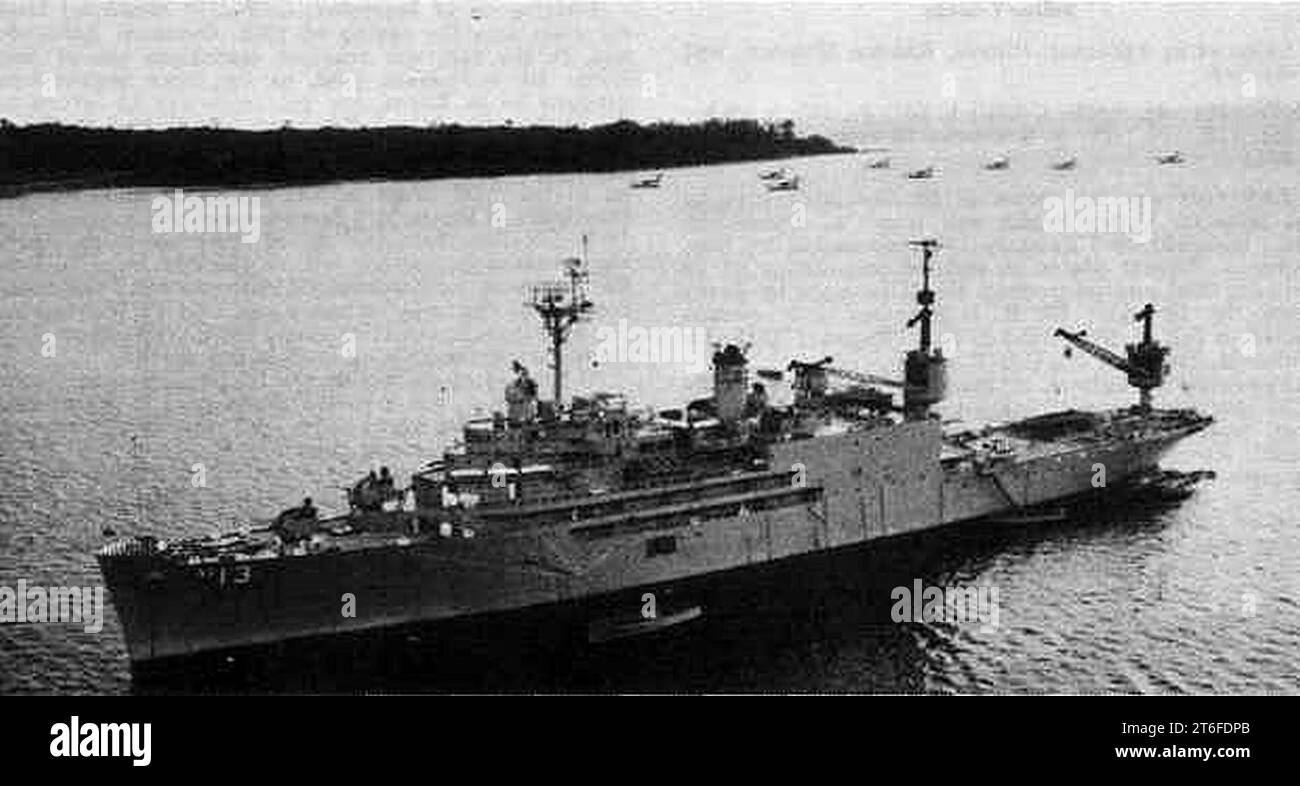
650	181
786	183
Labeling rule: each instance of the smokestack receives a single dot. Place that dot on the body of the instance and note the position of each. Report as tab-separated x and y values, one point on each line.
521	396
730	383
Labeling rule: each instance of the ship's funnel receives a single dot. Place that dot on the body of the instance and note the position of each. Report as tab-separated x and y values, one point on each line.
810	380
730	383
926	382
521	396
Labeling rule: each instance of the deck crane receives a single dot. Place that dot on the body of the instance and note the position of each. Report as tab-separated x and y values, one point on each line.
1145	362
924	380
804	369
810	383
864	378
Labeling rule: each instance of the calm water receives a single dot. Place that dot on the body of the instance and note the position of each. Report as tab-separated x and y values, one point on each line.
204	350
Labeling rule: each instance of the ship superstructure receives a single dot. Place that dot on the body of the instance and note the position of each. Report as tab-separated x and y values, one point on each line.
553	501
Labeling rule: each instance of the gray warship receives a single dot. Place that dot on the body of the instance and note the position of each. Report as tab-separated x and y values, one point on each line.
570	502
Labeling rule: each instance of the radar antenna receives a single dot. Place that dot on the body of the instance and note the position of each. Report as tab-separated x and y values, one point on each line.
925	375
561	305
925	295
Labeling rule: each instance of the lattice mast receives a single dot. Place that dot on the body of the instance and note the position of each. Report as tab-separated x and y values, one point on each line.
561	305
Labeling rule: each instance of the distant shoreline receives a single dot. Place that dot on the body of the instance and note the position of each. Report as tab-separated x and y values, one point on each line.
53	157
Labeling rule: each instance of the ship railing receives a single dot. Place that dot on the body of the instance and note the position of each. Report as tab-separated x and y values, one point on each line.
712	507
621	502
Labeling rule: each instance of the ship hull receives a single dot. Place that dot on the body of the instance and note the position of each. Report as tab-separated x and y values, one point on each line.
561	644
863	487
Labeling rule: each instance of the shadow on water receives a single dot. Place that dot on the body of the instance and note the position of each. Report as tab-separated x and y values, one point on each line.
771	628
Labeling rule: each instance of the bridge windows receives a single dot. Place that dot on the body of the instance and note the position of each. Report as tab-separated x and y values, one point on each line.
660	545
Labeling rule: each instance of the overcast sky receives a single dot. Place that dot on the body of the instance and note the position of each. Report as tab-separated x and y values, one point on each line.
263	64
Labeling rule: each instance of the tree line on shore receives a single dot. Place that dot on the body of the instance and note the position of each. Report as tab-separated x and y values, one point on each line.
56	155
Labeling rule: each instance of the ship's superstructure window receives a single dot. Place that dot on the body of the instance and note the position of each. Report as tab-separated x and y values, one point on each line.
663	544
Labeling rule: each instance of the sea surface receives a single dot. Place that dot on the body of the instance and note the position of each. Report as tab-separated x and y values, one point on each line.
178	384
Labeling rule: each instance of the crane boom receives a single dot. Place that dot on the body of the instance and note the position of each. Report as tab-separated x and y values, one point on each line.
864	378
823	366
1094	349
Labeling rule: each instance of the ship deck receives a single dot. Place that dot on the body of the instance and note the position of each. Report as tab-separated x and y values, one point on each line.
1063	433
